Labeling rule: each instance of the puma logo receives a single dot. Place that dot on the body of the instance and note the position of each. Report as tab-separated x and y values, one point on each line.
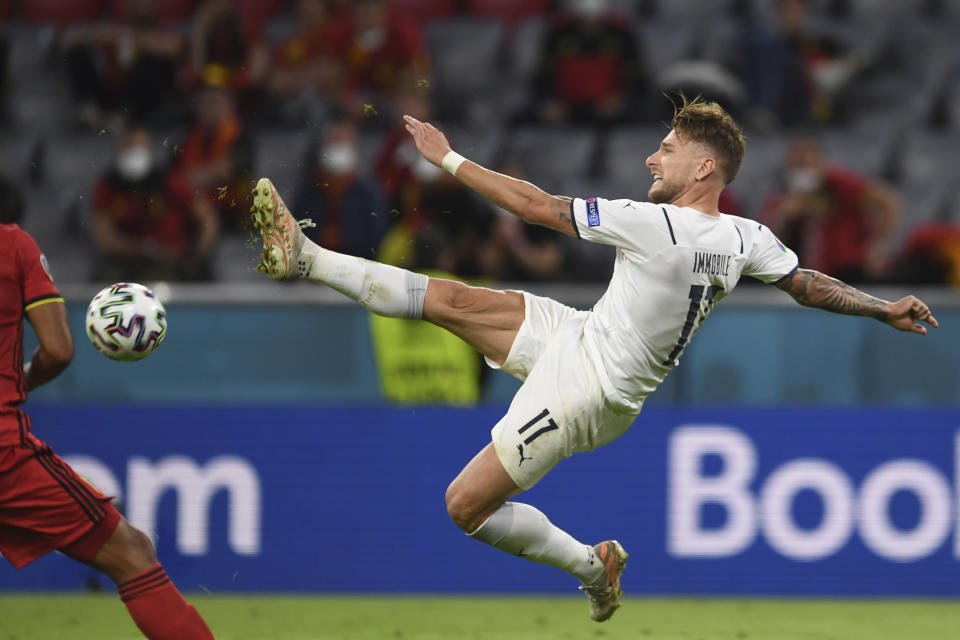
522	457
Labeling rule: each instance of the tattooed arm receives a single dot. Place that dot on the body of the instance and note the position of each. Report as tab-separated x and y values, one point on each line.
524	200
813	289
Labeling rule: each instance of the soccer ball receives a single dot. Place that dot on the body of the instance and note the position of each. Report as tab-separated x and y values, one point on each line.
126	322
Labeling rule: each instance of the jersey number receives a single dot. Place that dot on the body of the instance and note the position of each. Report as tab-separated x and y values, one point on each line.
550	426
696	306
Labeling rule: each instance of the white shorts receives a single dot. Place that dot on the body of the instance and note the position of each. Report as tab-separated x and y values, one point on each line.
560	409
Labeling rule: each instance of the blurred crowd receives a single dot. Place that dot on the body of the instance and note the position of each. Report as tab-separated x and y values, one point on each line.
131	131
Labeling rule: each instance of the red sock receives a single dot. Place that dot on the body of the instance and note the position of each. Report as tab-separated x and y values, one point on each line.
159	610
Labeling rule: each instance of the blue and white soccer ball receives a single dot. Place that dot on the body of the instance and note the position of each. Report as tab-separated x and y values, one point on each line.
126	322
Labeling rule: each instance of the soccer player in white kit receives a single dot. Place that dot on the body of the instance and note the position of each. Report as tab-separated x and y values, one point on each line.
585	373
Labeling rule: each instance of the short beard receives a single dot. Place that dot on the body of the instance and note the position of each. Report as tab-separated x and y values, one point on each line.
663	195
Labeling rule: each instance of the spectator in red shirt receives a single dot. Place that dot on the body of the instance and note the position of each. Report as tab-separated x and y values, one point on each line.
145	225
348	210
215	158
590	71
838	222
379	51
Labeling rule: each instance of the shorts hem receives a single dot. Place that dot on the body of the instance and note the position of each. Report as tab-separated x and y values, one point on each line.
523	486
506	365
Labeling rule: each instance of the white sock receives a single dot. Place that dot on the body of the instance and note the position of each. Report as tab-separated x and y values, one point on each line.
524	531
379	288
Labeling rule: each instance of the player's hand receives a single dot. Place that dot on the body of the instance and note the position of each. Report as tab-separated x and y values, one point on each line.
906	314
430	141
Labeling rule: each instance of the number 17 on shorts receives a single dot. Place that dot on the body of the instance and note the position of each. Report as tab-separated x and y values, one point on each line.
530	450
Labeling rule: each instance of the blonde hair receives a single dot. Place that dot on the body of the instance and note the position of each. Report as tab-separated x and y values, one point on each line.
708	123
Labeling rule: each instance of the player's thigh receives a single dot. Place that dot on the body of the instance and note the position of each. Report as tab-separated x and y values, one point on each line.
486	319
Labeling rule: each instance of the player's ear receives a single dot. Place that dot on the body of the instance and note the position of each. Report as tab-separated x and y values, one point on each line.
706	168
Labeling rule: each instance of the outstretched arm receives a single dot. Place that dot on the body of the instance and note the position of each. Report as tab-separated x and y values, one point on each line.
814	289
524	200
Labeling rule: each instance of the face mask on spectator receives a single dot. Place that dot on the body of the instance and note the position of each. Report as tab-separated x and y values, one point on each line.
424	170
803	180
338	159
134	164
589	9
371	39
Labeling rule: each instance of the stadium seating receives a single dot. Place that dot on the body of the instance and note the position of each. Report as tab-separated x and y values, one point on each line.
280	154
760	172
478	144
870	153
928	158
552	156
17	148
235	261
920	204
665	43
465	56
889	12
693	10
524	46
902	124
74	162
627	153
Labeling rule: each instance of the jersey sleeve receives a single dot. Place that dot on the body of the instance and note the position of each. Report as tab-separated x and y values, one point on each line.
636	226
769	260
36	280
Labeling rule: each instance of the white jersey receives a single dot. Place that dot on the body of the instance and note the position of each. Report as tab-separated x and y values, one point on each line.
673	265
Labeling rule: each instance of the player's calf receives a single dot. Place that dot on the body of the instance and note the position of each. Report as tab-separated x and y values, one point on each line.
287	253
126	553
156	606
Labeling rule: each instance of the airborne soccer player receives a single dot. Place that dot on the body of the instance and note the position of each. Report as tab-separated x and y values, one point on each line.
585	374
44	505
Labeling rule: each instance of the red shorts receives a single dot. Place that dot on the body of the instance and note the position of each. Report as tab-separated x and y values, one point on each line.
46	506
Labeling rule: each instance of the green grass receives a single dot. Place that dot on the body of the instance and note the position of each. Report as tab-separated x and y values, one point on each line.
100	617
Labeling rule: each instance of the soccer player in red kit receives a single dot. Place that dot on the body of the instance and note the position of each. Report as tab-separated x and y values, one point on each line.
44	504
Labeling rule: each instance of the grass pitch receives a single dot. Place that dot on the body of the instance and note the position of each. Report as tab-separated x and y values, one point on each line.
102	617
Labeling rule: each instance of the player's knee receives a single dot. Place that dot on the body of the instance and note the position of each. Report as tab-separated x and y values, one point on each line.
463	510
456	508
447	299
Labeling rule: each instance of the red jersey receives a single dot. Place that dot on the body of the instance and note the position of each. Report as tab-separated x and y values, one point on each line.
401	51
25	282
153	210
839	239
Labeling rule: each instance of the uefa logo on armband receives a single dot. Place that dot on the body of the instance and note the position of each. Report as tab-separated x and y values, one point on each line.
593	213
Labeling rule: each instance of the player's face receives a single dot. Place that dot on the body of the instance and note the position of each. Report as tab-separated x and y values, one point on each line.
674	168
